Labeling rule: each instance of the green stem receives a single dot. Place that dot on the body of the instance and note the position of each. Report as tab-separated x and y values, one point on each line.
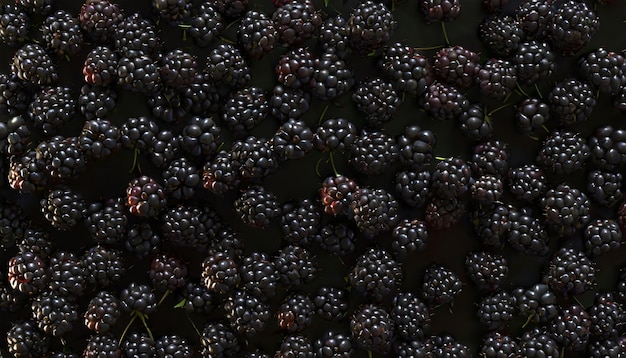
445	33
437	47
142	317
538	91
193	324
322	115
521	90
135	160
497	109
134	317
529	319
332	163
317	167
163	298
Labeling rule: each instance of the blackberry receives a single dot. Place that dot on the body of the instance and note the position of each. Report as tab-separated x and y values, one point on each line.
14	226
254	158
372	328
14	97
35	240
497	78
602	236
24	339
102	266
300	221
566	209
207	25
296	22
174	12
532	114
491	223
288	103
66	275
563	152
410	316
139	73
167	105
201	137
293	140
295	345
145	197
138	345
296	68
181	179
219	341
415	147
221	174
197	298
51	108
259	276
443	102
333	344
295	312
220	272
139	298
486	189
605	348
502	34
374	210
572	25
231	8
27	273
62	34
369	26
607	315
475	124
440	285
63	208
14	25
295	266
534	17
99	19
138	133
527	234
102	313
172	346
227	66
571	101
604	187
447	346
527	182
335	134
486	270
32	64
333	36
443	213
373	152
257	207
536	303
136	35
100	67
409	236
179	69
167	272
12	301
490	158
440	10
571	328
54	313
536	343
96	103
337	239
245	314
456	66
407	70
496	310
63	157
257	34
570	272
102	346
229	241
99	138
603	69
164	148
451	178
496	344
534	60
375	274
141	240
331	303
27	173
332	77
607	147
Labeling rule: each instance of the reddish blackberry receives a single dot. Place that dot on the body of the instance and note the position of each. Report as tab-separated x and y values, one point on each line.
407	70
295	312
571	101
141	240
179	69
65	275
531	114
572	25
257	207
496	310
373	152
293	140
443	102
32	64
440	10
502	34
378	100
220	272
295	69
337	239
137	344
296	22
456	66
607	315
537	343
332	77
27	273
167	272
536	303
570	272
440	285
221	174
62	34
410	316
486	189
172	346
527	234
181	179
196	298
207	25
375	274
563	152
496	344
409	236
54	313
374	210
443	213
413	187
534	60
174	12
497	78
295	266
51	108
486	270
218	341
257	34
26	173
246	314
571	328
294	345
103	266
604	187
258	276
601	236
102	345
335	135
254	158
607	147
14	24
300	221
288	103
566	209
333	36
138	35
527	182
369	26
145	197
372	328
24	339
333	344
331	303
451	178
99	19
139	73
103	312
603	69
63	208
534	17
95	102
139	298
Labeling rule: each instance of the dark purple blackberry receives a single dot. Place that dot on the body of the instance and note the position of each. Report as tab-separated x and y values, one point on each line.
52	108
407	70
12	301
293	140
63	208
95	102
27	173
139	298
378	100
571	101
227	66
300	221
415	146
259	276
372	328
490	158
374	210
231	8
175	12
604	187
409	236
486	270
15	226
181	179
288	103
527	182
375	274
451	178
486	189
537	303
14	96
295	312
456	66
603	69
333	36
373	152
102	346
414	348
61	33
571	328
335	135
24	339
137	344
54	314
196	298
245	109
141	240
531	114
502	34
172	346
337	239
440	285
607	316
537	343
246	314
496	310
535	62
65	274
491	224
145	197
534	17
254	158
295	69
570	272
337	193
497	78
257	207
443	213
369	26
332	77
572	25
443	102
164	148
220	272
221	174
607	147
167	272
605	348
257	34
333	344
167	105
27	273
99	19
218	341
440	10
14	25
475	124
410	316
139	73
331	303
102	313
178	69
496	344
35	240
527	234
207	25
201	137
100	67
413	186
295	345
295	266
227	240
296	22
602	236
32	64
103	266
447	346
135	34
63	157
138	133
99	138
566	209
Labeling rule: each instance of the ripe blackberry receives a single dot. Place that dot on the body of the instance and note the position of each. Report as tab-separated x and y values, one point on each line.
497	78
201	137
141	240
229	241
65	274
440	285
537	343
409	236
496	310
491	224
27	173
257	34
536	303
95	102
295	345
407	70
102	313
54	313
527	234
172	346
527	182
443	213
443	102
490	158
534	17
570	272
296	22
32	64
373	152
369	26
335	134
12	301
137	344
605	348
572	25
331	303
571	328
220	272
337	193
139	298
531	114
245	314
413	187
372	328
14	97
607	315
375	274
51	108
181	179
206	25
601	236
288	103
447	346
486	270
293	140
167	272
99	19
414	348
62	34
27	273
607	147
378	100
139	73
35	240
563	152
295	266
475	124
415	147
103	266
197	298
300	221
258	275
534	60
337	239
257	207
227	66
333	344
100	67
410	316
136	34
63	158
14	24
101	346
190	225
138	133
179	69
164	148
14	226
333	36
254	158
603	69
566	209
451	178
502	34
486	189
295	312
456	66
99	138
571	101
295	69
145	197
374	210
217	340
496	344
604	187
24	339
440	10
221	174
332	77
63	208
174	12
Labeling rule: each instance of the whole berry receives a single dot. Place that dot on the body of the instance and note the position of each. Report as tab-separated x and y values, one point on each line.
372	328
571	272
440	285
374	210
440	10
369	26
566	209
145	197
375	274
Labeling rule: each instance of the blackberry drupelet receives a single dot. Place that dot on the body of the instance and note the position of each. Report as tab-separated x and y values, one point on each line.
570	272
32	64
375	274
335	135
99	19
145	197
206	25
102	313
440	285
487	270
295	313
333	344
372	328
605	70
532	114
337	239
440	10
604	187
103	266
51	108
181	179
259	276
451	178
607	147
288	103
566	209
373	152
293	140
138	297
410	316
296	22
602	236
27	273
246	314
257	34
407	70
536	303
333	36
137	344
497	78
486	189
295	345
295	266
374	210
24	339
535	62
571	101
63	208
95	102
254	158
413	187
571	328
257	207
527	233
502	34
226	66
66	275
332	77
54	314
443	102
14	25
295	69
220	272
61	33
572	25
527	182
534	17
378	100
331	303
218	341
456	66
167	272
137	35
496	310
369	26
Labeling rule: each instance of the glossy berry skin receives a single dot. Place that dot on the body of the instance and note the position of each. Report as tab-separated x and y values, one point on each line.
145	197
372	328
571	272
375	274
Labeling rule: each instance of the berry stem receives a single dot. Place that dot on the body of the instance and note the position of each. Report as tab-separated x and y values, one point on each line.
163	297
143	317
193	324
521	90
538	91
322	115
332	163
133	315
529	319
437	47
445	33
135	161
317	167
497	109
